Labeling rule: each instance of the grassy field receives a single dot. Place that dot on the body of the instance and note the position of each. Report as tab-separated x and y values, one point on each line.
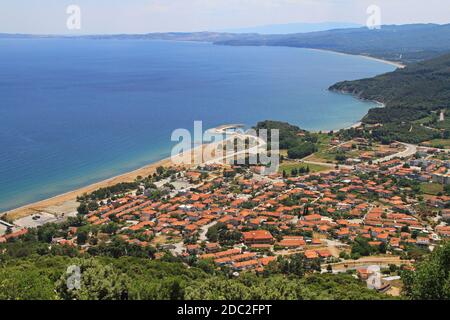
435	124
329	155
425	120
431	188
164	239
438	143
283	152
323	141
288	166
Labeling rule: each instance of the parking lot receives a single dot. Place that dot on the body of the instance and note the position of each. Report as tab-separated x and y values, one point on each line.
35	220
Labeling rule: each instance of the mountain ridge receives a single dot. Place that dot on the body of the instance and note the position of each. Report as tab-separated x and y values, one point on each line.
399	43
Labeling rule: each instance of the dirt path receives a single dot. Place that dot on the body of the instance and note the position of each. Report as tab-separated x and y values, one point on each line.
368	261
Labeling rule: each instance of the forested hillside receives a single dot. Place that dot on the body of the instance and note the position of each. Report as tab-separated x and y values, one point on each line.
405	43
32	270
409	94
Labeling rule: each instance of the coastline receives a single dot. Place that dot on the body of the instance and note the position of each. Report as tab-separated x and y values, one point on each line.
66	202
392	63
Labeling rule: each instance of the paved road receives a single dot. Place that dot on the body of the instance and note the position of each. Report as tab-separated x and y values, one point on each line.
204	230
180	247
410	150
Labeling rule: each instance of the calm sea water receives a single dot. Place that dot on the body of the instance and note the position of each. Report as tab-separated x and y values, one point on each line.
73	112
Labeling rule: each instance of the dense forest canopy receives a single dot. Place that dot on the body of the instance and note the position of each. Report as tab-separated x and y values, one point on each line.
298	143
408	93
406	43
414	99
132	278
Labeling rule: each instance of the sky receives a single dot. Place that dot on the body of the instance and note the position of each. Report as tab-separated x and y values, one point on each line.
144	16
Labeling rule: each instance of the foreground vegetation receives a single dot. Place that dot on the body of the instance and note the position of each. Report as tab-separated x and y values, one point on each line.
31	268
431	279
42	275
137	278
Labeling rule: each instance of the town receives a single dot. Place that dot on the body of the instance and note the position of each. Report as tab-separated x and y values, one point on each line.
378	205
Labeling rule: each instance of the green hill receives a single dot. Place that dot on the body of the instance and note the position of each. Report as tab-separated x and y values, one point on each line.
405	43
409	94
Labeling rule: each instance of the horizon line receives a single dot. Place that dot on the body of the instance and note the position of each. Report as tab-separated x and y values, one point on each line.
204	31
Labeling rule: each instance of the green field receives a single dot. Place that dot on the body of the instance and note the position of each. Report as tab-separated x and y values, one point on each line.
443	124
431	188
323	141
329	155
438	143
434	122
289	166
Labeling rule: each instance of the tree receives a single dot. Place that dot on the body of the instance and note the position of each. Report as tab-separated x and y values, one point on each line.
302	150
176	291
361	247
17	284
329	268
96	282
213	232
220	233
447	189
110	228
82	237
93	205
46	232
382	247
431	280
340	157
83	209
217	289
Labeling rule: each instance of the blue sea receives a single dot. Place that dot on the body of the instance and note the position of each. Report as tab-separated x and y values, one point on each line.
73	112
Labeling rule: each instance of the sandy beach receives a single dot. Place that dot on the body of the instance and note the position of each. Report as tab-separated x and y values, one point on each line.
393	63
66	203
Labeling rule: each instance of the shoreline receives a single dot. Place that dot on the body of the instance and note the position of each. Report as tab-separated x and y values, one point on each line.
392	63
67	200
64	199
